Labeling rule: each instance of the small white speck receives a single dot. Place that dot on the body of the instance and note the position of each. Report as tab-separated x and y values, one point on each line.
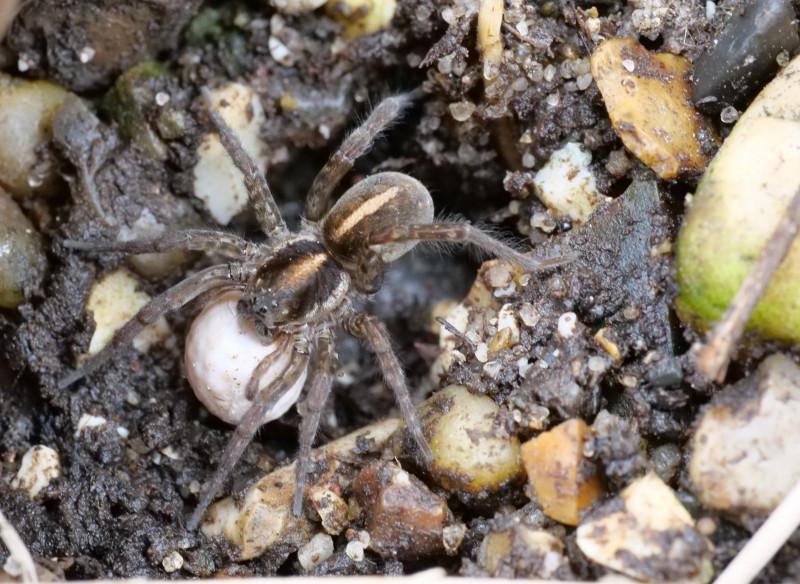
629	65
597	364
89	421
355	551
162	98
324	131
567	323
711	9
173	562
482	352
86	54
123	432
492	369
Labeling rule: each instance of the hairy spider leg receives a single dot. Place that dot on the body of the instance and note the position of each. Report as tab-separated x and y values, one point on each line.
175	297
321	383
261	199
265	400
354	146
462	233
372	330
227	244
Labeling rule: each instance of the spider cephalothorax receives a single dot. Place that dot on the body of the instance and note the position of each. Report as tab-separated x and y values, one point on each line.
290	292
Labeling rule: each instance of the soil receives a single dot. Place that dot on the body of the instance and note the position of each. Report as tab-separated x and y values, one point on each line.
126	488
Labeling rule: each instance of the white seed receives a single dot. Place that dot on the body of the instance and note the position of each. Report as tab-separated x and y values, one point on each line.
567	324
319	549
40	466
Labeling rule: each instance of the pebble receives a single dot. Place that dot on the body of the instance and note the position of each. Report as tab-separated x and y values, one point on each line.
555	465
567	324
217	181
650	107
40	466
566	184
638	530
315	552
173	562
23	263
403	518
747	446
473	451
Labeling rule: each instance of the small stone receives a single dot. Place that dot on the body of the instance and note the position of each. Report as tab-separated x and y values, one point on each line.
331	508
492	369
528	314
86	54
567	324
674	144
499	275
474	452
402	517
40	466
636	531
355	551
315	552
87	421
596	364
482	352
162	98
729	115
173	562
566	184
746	448
462	110
555	464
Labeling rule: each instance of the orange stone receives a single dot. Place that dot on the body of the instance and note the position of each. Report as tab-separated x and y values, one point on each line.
648	98
553	461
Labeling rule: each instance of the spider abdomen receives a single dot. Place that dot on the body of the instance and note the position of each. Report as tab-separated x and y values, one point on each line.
386	199
222	352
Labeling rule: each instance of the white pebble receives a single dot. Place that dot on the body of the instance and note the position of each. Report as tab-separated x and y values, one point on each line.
87	421
584	81
492	368
711	9
462	110
629	65
482	352
86	54
566	183
596	364
316	551
506	319
567	324
280	52
173	562
217	181
123	432
40	466
528	314
355	551
162	98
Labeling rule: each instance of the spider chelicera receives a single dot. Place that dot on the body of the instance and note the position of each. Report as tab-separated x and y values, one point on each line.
295	289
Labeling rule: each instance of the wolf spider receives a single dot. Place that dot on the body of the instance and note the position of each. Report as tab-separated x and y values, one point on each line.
296	287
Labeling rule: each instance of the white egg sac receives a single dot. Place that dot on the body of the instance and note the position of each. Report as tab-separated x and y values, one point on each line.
222	351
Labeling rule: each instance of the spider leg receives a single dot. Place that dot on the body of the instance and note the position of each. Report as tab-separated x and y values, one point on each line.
353	147
266	398
171	299
315	401
462	233
261	200
370	328
227	244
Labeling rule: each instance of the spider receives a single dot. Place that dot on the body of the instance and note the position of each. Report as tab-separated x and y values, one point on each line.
295	289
